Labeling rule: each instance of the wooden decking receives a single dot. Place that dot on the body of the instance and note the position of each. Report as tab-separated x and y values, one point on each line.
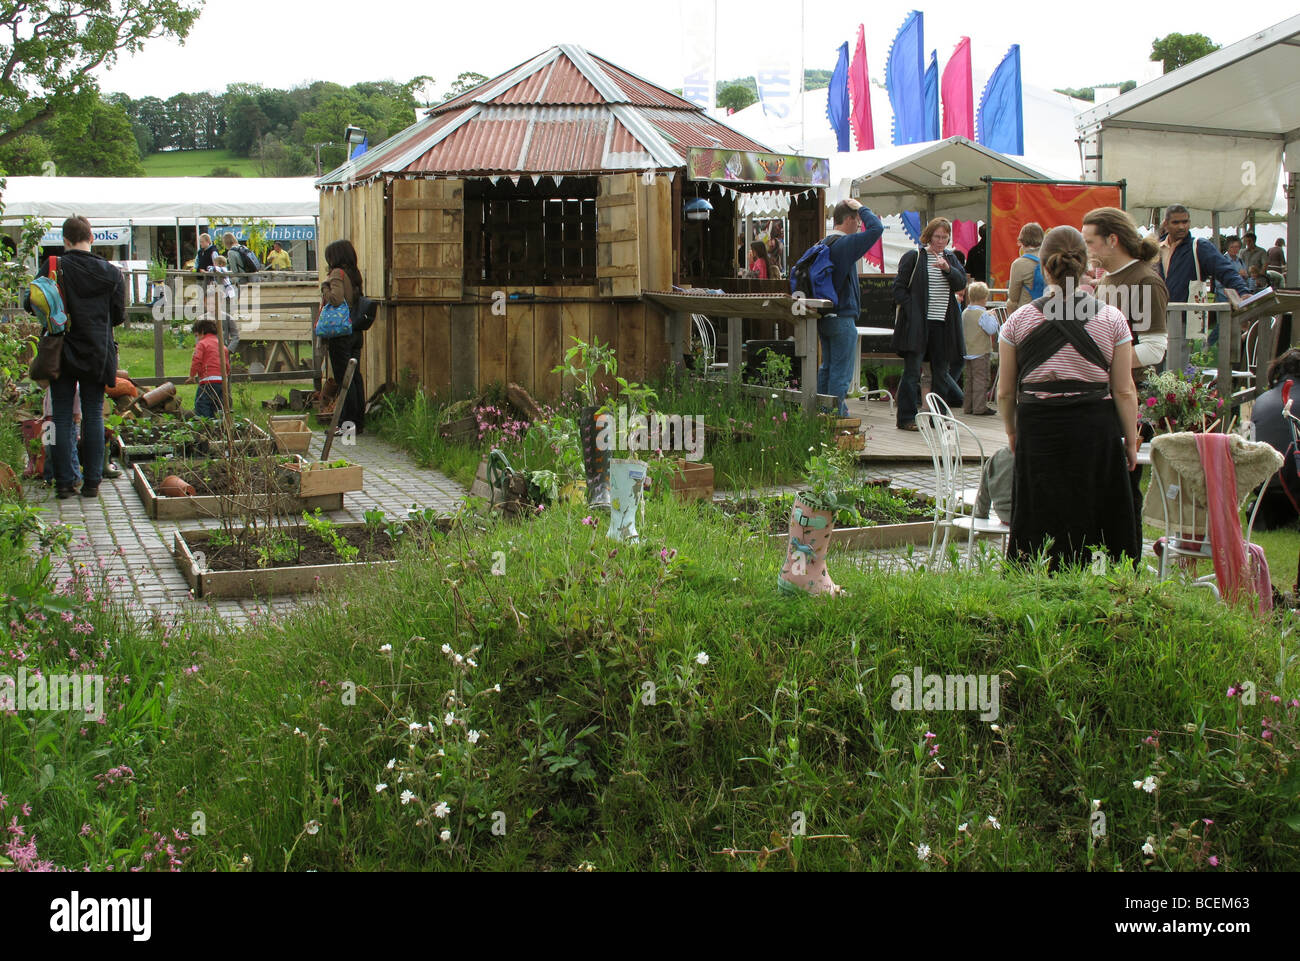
885	442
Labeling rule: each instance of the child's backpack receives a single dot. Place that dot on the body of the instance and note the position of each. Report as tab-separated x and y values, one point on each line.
811	276
47	301
251	264
334	321
1039	286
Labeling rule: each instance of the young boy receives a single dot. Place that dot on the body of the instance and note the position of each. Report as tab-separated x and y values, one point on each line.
205	368
979	327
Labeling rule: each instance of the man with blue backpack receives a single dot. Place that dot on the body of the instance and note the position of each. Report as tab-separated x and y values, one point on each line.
828	270
1026	282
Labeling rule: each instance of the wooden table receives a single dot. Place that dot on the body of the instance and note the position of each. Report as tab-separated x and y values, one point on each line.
802	313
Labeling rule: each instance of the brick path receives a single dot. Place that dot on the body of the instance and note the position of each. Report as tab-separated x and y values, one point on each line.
116	519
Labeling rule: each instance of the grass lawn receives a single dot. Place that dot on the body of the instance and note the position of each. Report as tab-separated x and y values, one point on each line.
197	163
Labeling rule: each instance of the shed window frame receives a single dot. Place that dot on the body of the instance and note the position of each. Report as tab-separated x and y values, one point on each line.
531	235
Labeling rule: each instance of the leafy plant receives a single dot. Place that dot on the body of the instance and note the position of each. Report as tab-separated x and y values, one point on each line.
584	363
828	475
277	547
775	372
1177	401
325	529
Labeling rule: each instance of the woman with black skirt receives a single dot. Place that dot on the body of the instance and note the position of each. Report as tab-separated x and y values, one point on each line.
343	284
1067	397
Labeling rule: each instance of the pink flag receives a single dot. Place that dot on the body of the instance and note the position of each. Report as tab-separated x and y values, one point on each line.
860	95
876	255
958	96
965	234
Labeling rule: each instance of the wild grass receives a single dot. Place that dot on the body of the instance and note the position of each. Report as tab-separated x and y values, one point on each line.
614	744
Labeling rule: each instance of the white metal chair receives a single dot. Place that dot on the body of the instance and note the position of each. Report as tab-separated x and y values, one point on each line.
937	405
943	437
880	392
1177	497
1249	355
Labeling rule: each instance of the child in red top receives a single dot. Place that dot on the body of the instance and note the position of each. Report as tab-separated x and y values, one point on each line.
205	367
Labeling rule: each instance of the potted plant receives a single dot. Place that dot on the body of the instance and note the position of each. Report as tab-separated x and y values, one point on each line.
627	474
1176	401
584	363
812	521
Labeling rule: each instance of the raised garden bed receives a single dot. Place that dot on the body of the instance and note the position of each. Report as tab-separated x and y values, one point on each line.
213	497
882	518
295	561
316	478
292	434
692	481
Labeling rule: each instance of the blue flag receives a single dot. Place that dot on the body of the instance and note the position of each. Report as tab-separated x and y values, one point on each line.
905	80
1000	122
361	148
932	97
837	100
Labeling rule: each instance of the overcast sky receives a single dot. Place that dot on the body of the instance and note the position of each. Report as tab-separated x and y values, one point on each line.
290	42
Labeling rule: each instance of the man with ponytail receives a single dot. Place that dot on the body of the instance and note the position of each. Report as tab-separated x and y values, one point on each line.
1132	285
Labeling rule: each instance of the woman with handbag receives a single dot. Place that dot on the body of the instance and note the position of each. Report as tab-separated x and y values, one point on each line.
344	286
927	324
85	356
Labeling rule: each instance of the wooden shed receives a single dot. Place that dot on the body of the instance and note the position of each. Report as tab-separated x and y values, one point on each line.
536	208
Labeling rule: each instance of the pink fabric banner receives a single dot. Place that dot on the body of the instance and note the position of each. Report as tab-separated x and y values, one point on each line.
860	96
965	234
876	255
958	94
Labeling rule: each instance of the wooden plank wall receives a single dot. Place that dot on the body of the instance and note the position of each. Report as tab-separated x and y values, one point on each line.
428	218
456	349
357	214
618	237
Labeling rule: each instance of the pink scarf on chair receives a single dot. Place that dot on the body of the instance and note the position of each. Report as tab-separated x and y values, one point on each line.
1227	545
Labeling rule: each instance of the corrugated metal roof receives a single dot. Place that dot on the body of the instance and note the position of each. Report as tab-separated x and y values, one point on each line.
563	111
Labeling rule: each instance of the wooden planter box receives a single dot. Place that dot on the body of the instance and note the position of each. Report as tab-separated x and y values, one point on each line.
462	431
319	481
292	434
843	423
693	481
164	508
871	538
852	441
131	454
259	582
217	448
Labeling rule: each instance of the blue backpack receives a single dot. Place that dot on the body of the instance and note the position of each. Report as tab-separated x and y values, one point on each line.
334	321
811	276
46	301
1039	286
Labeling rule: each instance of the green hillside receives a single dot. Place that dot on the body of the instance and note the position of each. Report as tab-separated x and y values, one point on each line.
198	163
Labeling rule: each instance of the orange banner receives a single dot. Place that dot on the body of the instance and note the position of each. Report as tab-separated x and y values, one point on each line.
1044	203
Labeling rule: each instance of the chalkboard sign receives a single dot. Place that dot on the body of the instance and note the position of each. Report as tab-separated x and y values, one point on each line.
877	296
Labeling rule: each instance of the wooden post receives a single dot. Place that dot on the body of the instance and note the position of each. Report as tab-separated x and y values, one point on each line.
733	347
157	346
338	408
676	325
806	331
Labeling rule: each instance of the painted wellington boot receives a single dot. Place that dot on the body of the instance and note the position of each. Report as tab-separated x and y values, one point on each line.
595	460
805	560
627	486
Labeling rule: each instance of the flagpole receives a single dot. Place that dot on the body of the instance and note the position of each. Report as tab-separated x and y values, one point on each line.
803	15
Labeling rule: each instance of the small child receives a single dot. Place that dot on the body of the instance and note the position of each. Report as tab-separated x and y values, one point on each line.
205	368
979	327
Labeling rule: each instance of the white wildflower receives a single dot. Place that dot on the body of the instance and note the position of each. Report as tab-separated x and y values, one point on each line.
1149	848
385	648
381	788
416	725
408	796
473	737
497	688
701	658
1149	784
446	648
471	662
997	825
923	851
392	762
963	826
312	827
445	835
1096	805
449	718
442	809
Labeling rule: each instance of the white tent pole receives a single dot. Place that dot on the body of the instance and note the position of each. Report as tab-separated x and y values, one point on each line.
1293	235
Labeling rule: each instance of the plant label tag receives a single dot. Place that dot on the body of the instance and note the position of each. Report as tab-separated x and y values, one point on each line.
1171	493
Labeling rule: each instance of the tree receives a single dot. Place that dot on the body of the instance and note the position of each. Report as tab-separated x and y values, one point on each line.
25	156
51	49
98	145
736	97
464	83
1179	49
279	159
1090	93
245	124
151	113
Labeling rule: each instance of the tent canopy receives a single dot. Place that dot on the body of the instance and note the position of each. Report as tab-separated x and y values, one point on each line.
1209	135
159	201
944	175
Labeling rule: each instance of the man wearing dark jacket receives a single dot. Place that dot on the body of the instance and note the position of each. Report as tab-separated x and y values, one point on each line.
856	231
94	296
929	320
1178	269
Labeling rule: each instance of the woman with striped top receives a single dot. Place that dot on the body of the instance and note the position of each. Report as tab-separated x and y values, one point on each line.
1066	394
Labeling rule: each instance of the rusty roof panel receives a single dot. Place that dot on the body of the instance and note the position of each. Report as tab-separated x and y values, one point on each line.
695	129
559	83
567	145
642	93
482	144
623	141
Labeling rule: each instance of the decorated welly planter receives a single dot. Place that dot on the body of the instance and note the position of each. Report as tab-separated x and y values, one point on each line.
805	559
595	460
627	491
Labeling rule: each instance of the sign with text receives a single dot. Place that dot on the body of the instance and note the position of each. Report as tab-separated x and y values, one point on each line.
104	237
744	166
282	234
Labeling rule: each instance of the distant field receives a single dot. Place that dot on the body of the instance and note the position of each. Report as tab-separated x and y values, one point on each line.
198	163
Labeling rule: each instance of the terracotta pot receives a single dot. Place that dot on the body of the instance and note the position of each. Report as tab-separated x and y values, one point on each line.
173	486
